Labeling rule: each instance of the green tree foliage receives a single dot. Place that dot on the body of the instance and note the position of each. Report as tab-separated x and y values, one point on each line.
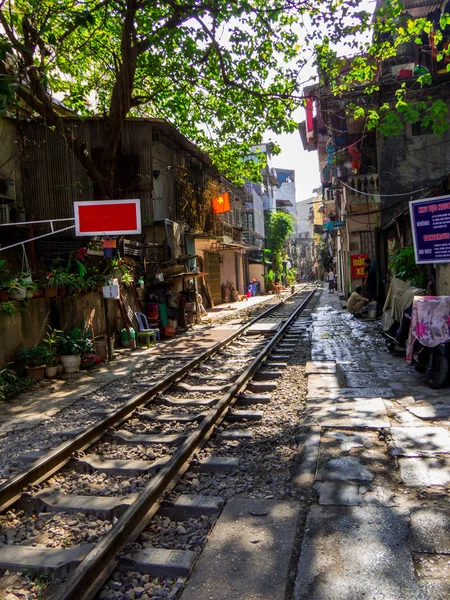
278	226
222	71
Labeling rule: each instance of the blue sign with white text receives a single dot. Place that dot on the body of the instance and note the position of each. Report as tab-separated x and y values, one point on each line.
430	221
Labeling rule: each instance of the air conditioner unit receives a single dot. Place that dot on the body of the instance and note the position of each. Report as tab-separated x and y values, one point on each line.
9	213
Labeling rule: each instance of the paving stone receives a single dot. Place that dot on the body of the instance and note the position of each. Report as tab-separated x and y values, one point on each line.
217	464
424	472
126	437
188	506
127	468
318	367
262	386
338	493
249	399
247	556
102	507
57	560
420	441
322	382
365	380
349	393
345	468
367	413
431	412
348	441
245	415
356	553
305	462
430	530
238	434
153	415
157	562
267	375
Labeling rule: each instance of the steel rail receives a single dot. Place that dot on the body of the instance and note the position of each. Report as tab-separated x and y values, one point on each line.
12	489
87	579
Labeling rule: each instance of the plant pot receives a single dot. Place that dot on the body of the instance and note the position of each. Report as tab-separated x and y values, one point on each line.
87	363
61	291
4	296
51	372
18	293
71	363
36	372
27	280
51	292
29	294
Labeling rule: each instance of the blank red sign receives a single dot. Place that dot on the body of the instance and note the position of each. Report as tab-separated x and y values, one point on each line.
107	217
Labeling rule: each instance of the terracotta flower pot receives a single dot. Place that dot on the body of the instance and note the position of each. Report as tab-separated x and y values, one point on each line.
36	372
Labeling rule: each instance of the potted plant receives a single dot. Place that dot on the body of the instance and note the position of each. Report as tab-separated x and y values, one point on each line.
51	342
55	280
71	346
35	360
31	290
9	308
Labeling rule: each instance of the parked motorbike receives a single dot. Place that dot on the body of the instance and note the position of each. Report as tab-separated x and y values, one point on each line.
434	362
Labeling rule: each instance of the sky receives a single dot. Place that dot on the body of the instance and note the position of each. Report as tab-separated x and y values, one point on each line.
305	164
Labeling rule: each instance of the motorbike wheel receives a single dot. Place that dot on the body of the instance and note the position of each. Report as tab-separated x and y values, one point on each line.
437	371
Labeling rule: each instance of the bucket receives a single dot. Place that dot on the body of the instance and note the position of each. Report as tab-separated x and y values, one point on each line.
169	330
372	310
153	314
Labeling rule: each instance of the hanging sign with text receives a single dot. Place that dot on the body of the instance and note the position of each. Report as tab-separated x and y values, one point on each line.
430	221
358	266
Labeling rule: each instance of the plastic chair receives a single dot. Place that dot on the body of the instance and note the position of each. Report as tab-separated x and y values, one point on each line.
145	333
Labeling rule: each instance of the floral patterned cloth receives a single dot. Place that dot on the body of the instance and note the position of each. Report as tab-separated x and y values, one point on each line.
430	322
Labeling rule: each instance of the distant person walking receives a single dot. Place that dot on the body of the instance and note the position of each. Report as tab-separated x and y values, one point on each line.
370	279
331	280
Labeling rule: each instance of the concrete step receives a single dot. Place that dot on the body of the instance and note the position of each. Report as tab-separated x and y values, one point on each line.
101	507
60	561
188	506
127	468
127	437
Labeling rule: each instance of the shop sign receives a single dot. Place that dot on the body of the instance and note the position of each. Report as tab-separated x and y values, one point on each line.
358	266
332	225
430	221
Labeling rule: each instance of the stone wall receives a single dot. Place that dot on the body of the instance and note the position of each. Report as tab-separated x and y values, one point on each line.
27	327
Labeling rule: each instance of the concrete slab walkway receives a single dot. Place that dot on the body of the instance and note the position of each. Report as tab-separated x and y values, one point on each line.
375	468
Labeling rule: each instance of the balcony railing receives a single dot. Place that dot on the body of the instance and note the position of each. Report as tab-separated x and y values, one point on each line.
361	189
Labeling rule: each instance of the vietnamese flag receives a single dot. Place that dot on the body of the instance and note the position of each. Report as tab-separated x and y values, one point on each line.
221	204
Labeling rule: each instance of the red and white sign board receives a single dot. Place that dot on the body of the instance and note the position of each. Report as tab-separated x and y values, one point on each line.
107	217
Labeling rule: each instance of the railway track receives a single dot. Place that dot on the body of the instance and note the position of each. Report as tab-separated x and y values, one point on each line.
148	443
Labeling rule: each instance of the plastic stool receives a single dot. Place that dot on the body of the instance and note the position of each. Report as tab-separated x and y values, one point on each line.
146	338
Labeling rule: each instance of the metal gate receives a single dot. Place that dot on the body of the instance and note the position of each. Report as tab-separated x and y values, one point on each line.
213	270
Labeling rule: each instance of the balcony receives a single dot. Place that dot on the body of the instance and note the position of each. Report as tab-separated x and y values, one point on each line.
361	189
